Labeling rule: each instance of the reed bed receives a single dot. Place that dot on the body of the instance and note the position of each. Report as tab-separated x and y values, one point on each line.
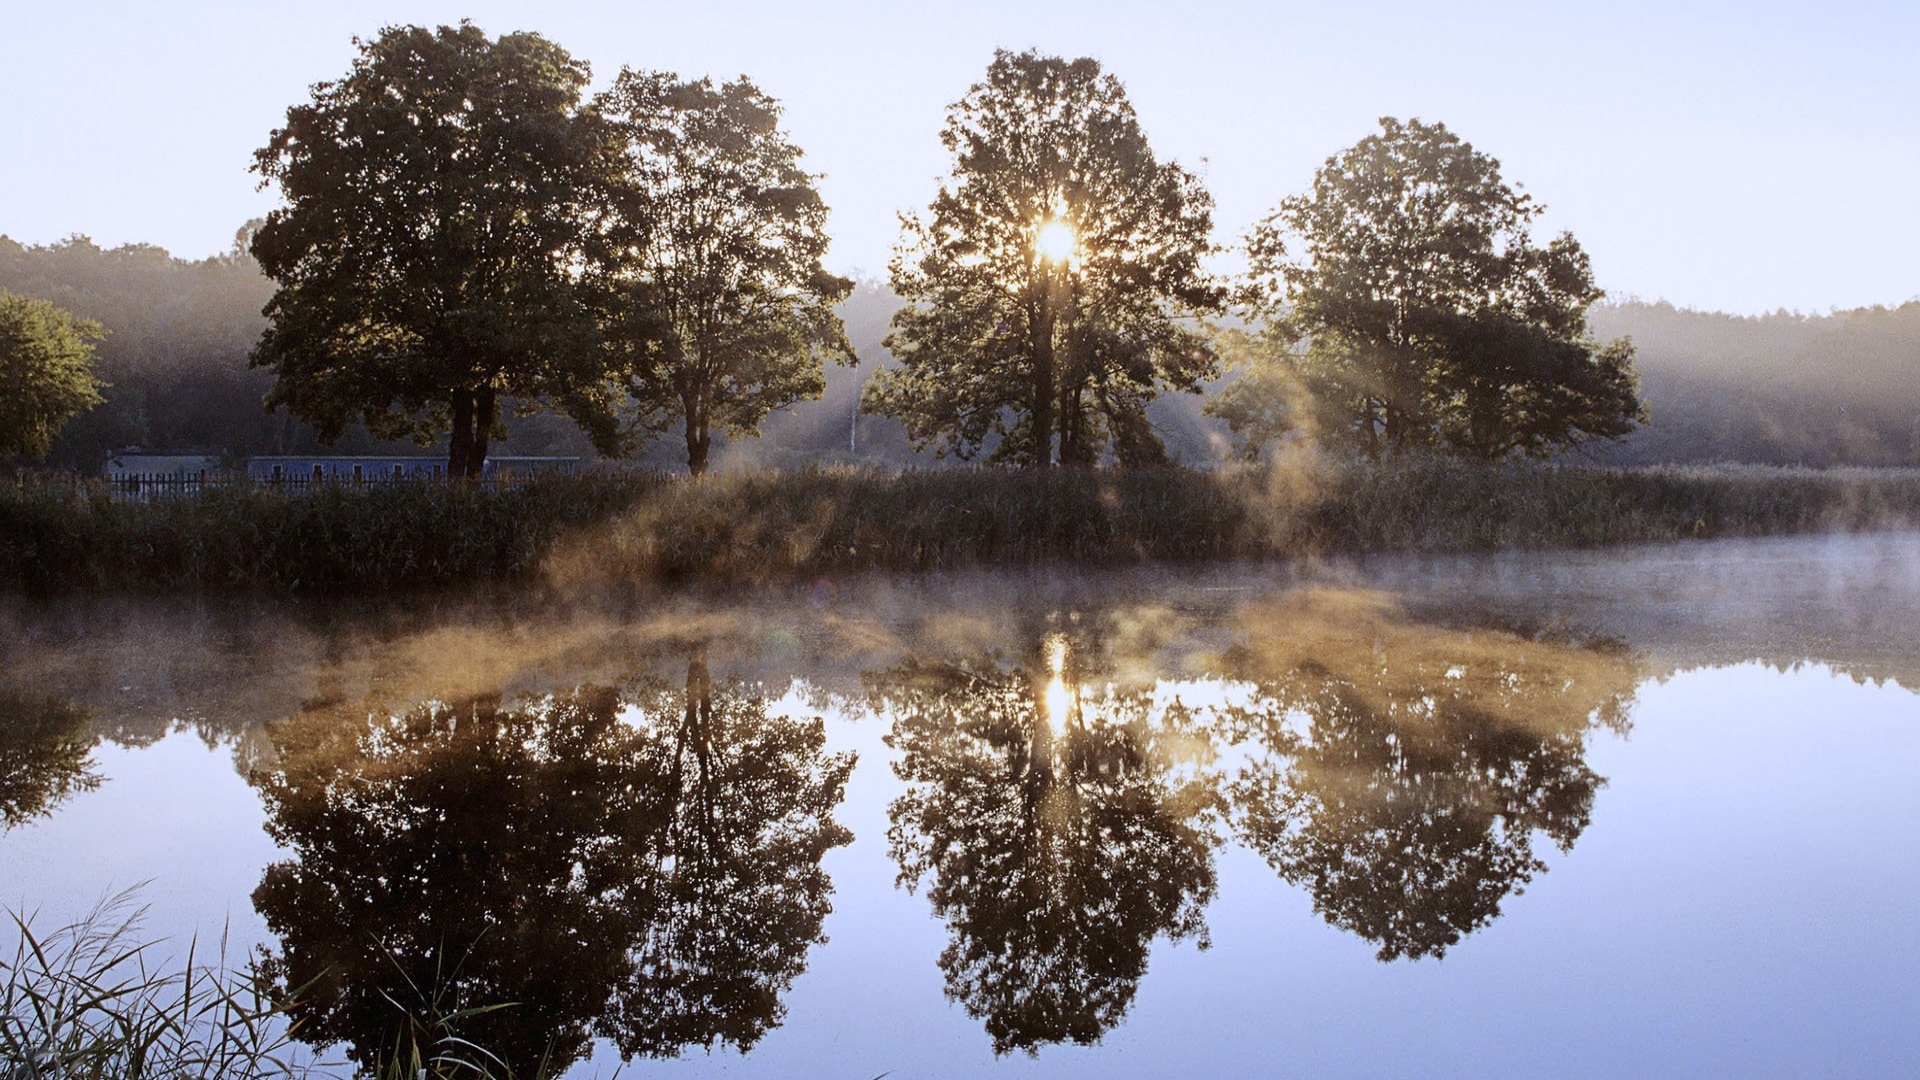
756	526
333	539
94	1000
88	1001
768	525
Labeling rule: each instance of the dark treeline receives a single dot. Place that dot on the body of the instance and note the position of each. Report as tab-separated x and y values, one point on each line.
1781	389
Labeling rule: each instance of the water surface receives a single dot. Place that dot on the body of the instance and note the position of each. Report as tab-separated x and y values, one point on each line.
1633	812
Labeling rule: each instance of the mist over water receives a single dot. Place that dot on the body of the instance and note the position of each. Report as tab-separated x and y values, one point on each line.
1047	823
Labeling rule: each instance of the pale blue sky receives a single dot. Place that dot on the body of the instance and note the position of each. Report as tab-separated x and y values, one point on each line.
1739	157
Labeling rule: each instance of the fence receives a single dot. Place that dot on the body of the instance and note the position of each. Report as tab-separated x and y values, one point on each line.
143	487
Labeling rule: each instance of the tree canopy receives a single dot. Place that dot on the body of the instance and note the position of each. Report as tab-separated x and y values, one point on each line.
1045	289
46	372
721	310
428	255
1408	304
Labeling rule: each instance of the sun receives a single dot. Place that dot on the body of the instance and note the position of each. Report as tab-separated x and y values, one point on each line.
1056	242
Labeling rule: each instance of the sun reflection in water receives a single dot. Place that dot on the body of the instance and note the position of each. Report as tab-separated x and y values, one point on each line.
1058	698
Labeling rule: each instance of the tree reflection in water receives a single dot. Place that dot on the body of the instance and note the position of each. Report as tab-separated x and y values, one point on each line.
46	755
639	863
1400	771
1058	830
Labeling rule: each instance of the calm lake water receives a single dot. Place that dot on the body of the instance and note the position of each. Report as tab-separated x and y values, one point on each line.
1647	812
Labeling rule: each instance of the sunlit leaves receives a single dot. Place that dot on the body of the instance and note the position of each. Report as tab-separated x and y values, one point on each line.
46	372
1039	355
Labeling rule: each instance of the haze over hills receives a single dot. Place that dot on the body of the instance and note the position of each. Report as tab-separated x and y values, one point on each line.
1786	388
1781	389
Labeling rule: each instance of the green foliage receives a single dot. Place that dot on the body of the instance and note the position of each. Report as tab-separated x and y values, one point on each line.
1007	344
721	311
1408	293
46	373
436	203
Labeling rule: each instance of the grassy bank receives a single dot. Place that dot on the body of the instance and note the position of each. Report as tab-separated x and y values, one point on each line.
758	525
332	539
769	525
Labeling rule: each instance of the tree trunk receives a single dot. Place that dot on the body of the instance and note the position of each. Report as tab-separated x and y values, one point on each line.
472	429
1041	428
699	436
460	440
1075	447
699	724
697	446
483	418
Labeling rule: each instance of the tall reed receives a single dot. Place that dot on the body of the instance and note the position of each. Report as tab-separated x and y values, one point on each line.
329	539
87	1000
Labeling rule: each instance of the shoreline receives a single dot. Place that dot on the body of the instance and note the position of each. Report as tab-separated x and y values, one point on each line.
762	527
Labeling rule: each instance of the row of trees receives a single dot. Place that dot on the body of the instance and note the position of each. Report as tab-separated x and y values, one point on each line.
1057	284
462	228
465	231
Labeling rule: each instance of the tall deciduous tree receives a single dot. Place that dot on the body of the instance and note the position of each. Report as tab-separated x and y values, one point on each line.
1407	293
1048	286
721	309
429	251
46	372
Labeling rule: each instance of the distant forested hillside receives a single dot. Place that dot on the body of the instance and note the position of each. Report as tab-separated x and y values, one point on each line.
175	354
1779	389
